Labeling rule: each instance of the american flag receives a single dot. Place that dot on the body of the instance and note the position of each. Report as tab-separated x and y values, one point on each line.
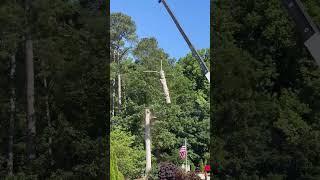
183	152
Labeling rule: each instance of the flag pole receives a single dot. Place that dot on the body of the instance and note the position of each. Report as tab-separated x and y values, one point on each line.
185	143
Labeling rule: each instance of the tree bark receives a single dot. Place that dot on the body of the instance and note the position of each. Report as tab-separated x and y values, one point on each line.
31	121
119	82
12	114
124	97
165	87
113	97
148	140
119	93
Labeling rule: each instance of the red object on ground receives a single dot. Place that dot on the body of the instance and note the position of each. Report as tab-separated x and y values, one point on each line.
207	168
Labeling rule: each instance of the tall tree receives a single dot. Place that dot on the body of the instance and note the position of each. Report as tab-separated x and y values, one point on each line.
31	119
261	70
12	114
10	35
68	37
122	33
48	117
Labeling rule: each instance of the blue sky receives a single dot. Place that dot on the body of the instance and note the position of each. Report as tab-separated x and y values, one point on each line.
152	20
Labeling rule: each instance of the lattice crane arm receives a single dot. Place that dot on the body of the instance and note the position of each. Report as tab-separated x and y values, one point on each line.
308	29
203	66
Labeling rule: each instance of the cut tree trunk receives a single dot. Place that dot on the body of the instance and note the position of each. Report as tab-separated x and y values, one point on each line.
148	140
12	115
165	87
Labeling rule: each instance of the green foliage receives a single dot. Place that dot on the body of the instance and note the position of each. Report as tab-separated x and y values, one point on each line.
265	93
115	174
69	52
122	29
189	107
186	117
290	120
202	166
154	173
130	160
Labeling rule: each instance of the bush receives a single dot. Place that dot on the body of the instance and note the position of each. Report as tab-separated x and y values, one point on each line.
154	173
170	171
115	174
167	171
130	159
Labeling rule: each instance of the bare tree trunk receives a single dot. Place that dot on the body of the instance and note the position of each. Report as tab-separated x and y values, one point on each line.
119	82
148	140
31	121
165	87
113	97
12	114
124	97
119	93
48	120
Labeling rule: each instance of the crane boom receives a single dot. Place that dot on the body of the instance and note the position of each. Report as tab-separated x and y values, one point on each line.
203	66
308	29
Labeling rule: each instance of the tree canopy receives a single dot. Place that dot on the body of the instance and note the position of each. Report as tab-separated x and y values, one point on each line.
265	93
186	117
69	61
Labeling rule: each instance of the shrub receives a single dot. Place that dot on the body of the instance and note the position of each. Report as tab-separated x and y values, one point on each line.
170	171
